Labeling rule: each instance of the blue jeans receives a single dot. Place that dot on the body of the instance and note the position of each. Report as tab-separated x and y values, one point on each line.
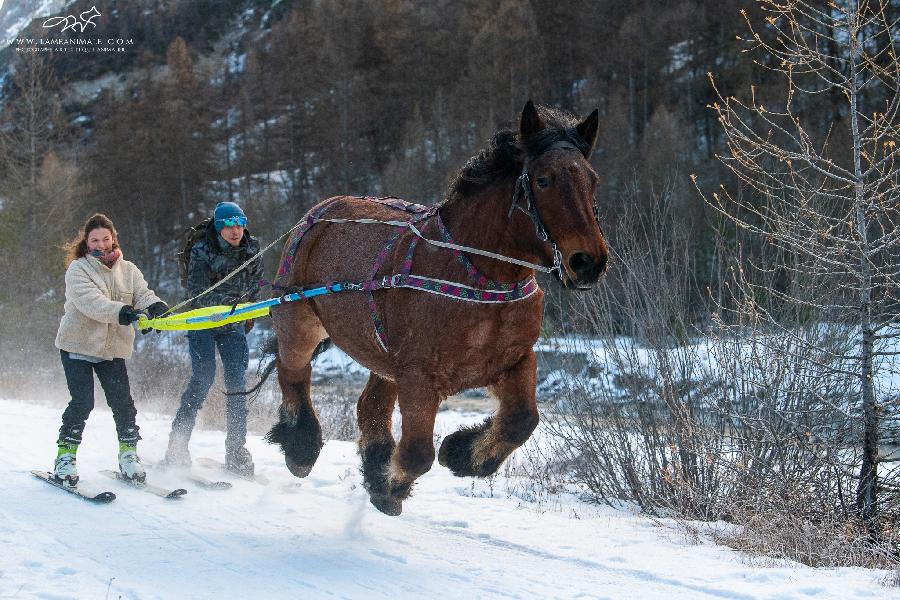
232	344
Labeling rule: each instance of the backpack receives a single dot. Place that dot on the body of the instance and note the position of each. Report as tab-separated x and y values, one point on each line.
190	237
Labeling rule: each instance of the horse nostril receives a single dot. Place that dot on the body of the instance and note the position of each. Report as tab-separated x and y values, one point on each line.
582	264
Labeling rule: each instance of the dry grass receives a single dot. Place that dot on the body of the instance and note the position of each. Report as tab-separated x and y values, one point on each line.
780	536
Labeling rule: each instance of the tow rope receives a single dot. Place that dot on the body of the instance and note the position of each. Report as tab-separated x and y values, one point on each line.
210	317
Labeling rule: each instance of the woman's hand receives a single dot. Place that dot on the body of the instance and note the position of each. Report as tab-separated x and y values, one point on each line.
129	314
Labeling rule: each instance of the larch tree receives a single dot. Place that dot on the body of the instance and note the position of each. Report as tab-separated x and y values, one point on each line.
819	175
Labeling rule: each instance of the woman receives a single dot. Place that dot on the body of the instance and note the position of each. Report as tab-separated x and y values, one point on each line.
105	294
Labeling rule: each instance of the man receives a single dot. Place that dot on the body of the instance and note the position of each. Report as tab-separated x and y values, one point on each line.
225	247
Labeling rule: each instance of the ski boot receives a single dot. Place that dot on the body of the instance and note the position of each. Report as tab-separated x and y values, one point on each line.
64	469
239	462
130	465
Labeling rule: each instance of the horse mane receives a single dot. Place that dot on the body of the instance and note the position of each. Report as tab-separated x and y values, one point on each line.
502	159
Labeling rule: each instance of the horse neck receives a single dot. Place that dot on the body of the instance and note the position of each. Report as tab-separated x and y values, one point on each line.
481	221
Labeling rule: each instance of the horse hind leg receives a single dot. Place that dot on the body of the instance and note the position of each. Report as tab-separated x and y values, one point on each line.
389	470
376	442
414	453
480	450
298	431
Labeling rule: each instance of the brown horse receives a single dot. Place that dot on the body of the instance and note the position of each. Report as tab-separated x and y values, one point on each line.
528	197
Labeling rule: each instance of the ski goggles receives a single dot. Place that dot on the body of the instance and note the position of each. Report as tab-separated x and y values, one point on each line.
233	222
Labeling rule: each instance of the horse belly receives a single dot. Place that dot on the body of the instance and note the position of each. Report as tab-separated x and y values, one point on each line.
464	345
349	324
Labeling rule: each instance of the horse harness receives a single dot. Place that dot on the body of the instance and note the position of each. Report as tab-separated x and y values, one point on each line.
484	290
417	219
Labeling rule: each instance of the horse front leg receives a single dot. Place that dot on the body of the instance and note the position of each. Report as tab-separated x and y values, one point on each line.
414	454
480	450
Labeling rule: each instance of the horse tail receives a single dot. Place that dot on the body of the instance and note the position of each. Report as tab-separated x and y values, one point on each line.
265	368
270	348
323	346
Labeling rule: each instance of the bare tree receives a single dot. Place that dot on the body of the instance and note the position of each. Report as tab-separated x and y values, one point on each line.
635	423
825	195
32	120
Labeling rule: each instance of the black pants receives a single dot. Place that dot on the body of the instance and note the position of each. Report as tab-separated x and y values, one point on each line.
113	378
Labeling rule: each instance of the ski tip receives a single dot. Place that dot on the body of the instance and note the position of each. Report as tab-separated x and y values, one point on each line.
209	484
177	493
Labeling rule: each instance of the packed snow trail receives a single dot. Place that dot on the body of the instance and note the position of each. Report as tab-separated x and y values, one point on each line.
319	537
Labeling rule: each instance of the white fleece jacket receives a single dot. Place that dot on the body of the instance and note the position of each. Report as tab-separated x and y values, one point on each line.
94	296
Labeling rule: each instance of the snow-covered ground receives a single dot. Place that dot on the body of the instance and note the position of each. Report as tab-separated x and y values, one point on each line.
320	538
600	363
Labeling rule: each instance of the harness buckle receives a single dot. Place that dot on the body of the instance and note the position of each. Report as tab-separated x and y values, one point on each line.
390	282
557	260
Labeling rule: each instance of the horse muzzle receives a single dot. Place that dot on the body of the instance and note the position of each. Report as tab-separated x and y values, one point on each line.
583	270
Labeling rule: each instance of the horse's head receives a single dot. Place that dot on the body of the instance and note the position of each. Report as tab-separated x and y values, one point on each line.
556	190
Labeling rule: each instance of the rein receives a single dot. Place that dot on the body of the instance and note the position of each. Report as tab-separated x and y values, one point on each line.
240	268
522	189
448	245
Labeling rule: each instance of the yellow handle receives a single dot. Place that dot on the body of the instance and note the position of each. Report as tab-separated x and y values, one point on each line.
219	316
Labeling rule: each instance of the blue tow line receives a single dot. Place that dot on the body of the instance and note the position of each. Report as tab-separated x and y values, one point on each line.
293	297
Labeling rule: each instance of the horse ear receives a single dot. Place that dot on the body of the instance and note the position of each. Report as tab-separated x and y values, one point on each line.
587	130
531	122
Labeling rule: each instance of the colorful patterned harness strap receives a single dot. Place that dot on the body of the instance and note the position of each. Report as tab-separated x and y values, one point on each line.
487	292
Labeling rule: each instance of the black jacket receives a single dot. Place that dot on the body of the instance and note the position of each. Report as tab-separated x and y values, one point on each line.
212	258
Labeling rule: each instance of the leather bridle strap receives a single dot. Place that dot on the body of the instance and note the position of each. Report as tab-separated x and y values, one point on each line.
523	189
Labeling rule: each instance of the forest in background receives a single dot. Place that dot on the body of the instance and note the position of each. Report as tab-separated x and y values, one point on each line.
277	105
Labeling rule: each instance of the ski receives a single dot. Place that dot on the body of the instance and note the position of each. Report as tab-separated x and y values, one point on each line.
210	463
206	484
202	482
147	487
79	490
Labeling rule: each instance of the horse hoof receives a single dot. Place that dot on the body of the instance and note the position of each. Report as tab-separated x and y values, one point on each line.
456	452
387	504
297	470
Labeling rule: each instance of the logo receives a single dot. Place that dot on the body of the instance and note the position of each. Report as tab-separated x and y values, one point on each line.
79	23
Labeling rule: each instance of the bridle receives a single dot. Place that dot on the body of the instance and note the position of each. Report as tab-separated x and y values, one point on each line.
523	190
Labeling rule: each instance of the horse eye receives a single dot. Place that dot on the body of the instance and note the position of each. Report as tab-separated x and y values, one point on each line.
543	182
